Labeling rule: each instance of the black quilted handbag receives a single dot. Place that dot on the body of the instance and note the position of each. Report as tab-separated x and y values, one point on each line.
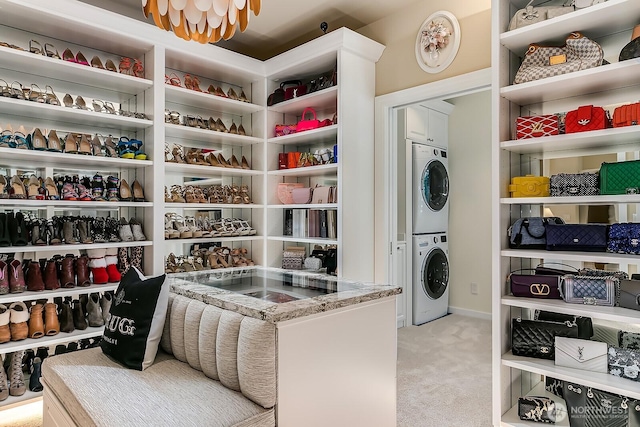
533	338
585	325
576	237
624	238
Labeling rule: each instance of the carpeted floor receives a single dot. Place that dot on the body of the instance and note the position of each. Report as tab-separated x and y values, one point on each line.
22	416
444	373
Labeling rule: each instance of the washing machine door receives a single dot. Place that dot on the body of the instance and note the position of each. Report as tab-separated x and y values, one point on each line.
435	273
435	185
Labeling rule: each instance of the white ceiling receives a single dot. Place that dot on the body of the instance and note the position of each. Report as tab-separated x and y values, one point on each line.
283	24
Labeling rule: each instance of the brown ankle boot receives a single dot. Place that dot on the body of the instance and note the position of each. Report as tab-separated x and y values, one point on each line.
51	281
5	332
51	323
18	321
68	272
36	325
82	270
34	277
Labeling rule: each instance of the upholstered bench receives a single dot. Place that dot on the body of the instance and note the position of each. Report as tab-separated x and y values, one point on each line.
215	368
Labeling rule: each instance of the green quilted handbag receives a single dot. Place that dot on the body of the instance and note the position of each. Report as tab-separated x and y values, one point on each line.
620	178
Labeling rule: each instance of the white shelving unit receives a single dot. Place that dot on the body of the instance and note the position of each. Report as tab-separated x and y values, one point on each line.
610	24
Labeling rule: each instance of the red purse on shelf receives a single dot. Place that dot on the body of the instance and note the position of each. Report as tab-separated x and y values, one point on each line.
626	115
311	124
283	130
537	126
586	118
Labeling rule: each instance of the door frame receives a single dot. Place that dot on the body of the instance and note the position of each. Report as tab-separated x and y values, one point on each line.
386	177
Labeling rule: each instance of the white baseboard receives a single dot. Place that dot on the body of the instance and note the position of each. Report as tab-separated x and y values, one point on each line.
470	313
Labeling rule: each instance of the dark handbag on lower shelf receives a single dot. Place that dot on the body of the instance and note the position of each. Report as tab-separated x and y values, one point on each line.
534	338
590	290
530	233
574	184
536	408
620	178
576	237
629	294
545	268
554	386
624	238
534	285
605	409
575	397
585	325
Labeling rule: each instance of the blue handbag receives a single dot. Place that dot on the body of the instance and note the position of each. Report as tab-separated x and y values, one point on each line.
530	233
576	237
624	238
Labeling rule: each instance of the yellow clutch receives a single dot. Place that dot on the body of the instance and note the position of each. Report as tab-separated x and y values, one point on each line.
529	186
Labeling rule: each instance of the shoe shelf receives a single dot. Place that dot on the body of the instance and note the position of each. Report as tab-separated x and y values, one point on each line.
597	380
27	62
61	292
311	240
69	247
306	206
320	100
48	341
324	135
210	206
19	107
596	21
194	99
26	398
573	200
215	239
622	139
512	419
599	79
603	257
66	160
207	137
73	204
321	170
614	314
209	171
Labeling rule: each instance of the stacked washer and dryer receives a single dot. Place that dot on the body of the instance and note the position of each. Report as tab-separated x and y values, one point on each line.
430	231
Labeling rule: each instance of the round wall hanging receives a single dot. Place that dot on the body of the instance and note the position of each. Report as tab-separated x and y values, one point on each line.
437	42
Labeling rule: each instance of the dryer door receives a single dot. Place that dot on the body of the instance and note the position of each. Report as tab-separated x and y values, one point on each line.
435	273
435	185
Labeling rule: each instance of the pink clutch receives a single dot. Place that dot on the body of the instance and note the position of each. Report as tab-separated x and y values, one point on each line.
284	191
302	196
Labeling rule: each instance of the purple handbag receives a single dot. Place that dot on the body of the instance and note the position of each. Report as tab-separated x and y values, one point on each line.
534	285
576	237
624	238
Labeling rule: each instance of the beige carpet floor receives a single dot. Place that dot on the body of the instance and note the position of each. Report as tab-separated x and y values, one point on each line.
444	373
22	416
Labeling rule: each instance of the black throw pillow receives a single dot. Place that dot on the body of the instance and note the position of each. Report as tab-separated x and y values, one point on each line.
134	327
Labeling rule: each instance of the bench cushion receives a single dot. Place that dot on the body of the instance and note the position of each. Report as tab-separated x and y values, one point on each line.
96	391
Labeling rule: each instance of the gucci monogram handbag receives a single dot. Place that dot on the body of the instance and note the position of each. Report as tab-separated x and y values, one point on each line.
533	338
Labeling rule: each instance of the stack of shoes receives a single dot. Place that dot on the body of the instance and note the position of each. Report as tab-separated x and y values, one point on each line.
178	227
213	258
130	257
217	194
12	381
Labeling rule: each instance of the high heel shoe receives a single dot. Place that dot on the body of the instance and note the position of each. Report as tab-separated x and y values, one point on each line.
67	55
37	140
97	63
138	191
96	147
17	189
243	97
67	100
54	143
234	162
35	94
125	191
223	162
85	145
110	66
244	163
233	129
80	103
80	59
110	147
220	126
241	130
36	47
70	144
53	53
50	96
34	189
51	189
232	94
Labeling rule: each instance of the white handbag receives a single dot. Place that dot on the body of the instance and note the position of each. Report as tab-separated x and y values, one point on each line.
581	4
581	354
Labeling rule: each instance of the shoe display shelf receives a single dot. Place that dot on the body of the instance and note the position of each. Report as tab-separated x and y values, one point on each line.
610	24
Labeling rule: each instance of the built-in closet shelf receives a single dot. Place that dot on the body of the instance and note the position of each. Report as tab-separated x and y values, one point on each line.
321	100
306	206
596	21
30	158
574	200
623	139
599	79
209	171
615	314
47	341
65	248
61	292
215	239
596	380
57	69
572	256
312	240
191	137
58	113
512	419
322	170
324	135
67	204
26	398
194	99
210	206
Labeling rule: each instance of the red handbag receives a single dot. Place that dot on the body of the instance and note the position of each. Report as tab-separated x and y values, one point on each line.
537	126
304	125
283	160
282	130
295	89
627	115
586	118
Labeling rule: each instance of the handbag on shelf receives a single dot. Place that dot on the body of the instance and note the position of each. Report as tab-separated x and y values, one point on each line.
529	186
283	160
293	89
312	263
530	233
629	294
620	178
581	354
574	184
276	97
293	257
293	158
322	194
624	238
626	115
302	196
578	53
590	290
534	14
536	408
585	325
284	130
620	275
554	386
586	118
606	334
629	340
545	268
605	409
285	190
624	363
308	124
575	397
533	338
537	126
576	237
534	285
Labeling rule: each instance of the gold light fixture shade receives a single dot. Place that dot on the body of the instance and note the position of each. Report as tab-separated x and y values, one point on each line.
204	21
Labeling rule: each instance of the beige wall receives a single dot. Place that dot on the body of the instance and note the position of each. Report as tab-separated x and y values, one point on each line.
470	208
398	68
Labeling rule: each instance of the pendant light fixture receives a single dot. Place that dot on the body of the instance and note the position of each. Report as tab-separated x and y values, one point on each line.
205	21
